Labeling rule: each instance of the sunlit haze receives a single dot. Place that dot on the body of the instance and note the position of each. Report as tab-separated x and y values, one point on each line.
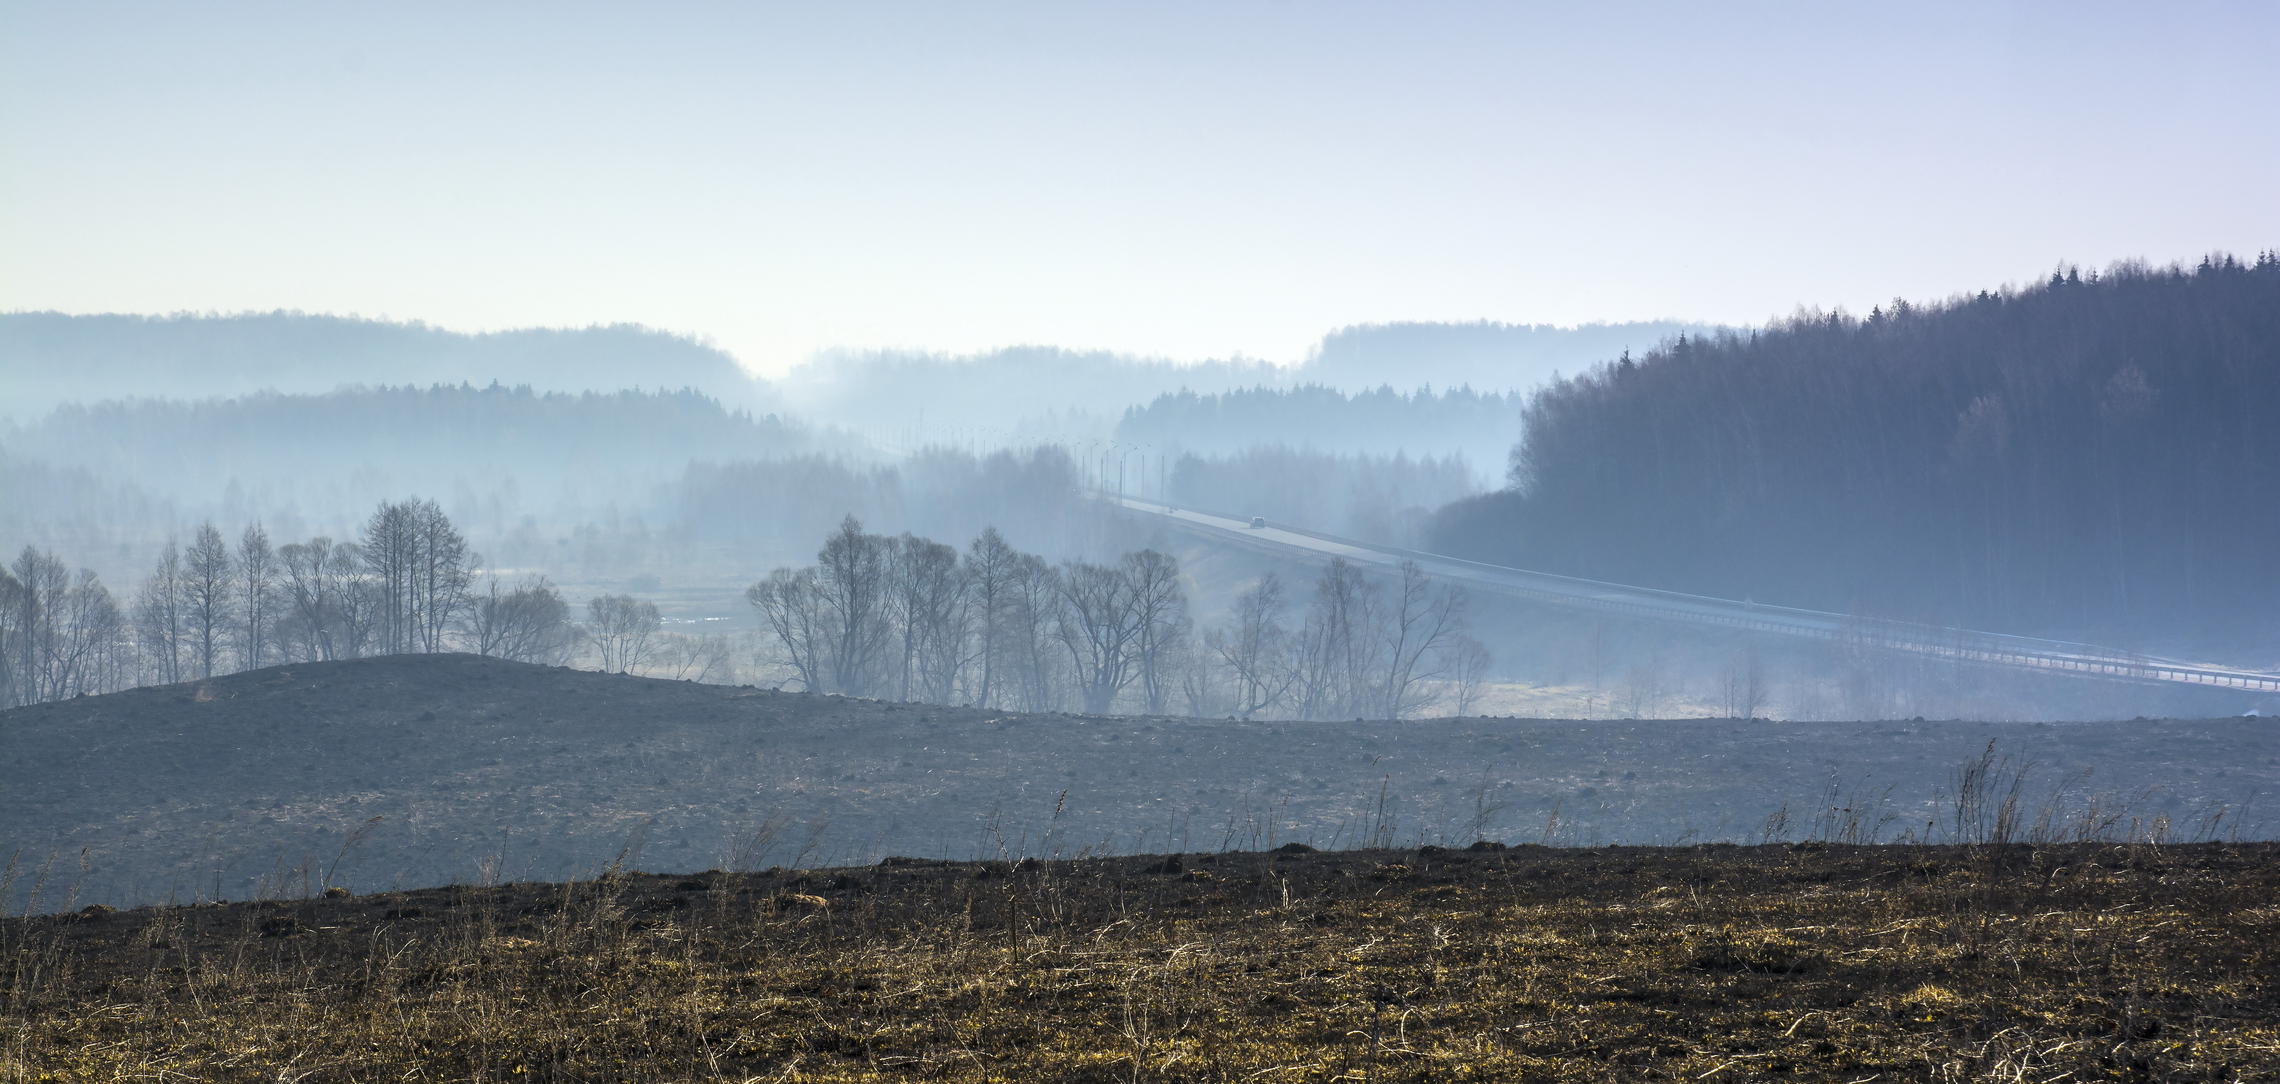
1187	181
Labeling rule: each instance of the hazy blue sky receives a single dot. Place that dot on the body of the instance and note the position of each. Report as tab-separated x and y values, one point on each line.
1184	179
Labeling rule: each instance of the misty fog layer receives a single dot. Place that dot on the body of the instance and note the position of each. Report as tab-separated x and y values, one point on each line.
2080	458
118	433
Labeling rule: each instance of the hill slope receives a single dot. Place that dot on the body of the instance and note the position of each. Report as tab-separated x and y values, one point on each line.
255	783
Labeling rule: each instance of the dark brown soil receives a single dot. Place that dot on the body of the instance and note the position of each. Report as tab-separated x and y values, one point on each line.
1807	962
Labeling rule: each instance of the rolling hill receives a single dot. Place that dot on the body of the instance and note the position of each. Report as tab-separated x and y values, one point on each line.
268	783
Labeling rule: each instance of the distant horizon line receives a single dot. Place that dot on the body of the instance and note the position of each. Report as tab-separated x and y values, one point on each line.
830	354
821	356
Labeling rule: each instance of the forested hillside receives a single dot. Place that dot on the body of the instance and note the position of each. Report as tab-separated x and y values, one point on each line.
48	358
2094	455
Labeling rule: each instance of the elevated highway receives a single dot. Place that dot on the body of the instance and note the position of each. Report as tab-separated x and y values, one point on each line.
1997	649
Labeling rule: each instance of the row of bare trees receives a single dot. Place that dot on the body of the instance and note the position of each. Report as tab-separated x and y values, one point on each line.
903	617
59	632
1362	649
911	618
406	585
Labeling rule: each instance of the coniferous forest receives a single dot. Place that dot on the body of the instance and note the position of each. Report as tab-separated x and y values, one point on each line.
2097	455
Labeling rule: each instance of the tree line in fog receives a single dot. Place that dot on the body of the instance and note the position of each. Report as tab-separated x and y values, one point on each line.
631	483
912	618
407	584
216	606
902	617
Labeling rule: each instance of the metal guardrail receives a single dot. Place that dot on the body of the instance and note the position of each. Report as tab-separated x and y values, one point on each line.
1968	645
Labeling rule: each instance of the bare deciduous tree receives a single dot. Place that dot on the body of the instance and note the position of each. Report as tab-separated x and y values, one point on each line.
1204	685
443	574
330	604
1419	623
1643	688
1160	623
1097	622
530	623
1742	687
305	627
208	578
59	633
925	599
792	611
43	581
12	676
1468	672
1338	649
710	658
356	601
86	648
158	616
1034	653
990	569
257	592
421	570
390	550
851	574
1256	648
623	629
31	583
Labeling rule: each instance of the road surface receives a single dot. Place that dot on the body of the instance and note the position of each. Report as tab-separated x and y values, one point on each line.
2021	652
